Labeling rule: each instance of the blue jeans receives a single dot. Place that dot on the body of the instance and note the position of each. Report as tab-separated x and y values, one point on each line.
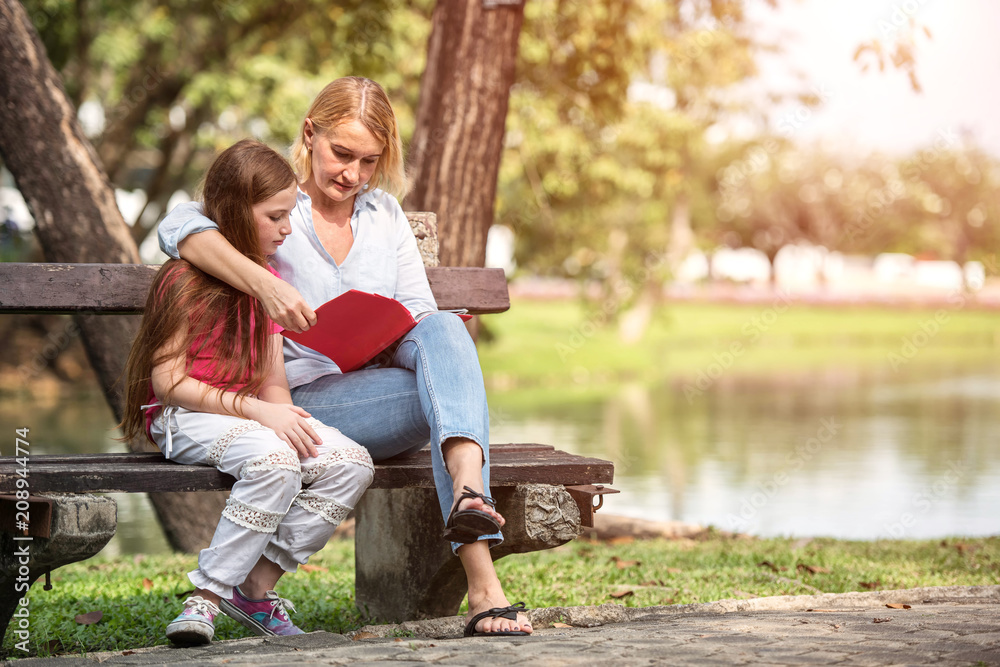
431	389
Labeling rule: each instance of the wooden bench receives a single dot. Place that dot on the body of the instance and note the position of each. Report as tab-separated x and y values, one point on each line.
404	570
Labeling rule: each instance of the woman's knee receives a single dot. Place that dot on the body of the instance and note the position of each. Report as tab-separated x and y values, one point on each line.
439	338
446	324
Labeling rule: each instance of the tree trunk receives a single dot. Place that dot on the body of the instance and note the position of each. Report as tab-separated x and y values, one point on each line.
455	152
77	220
681	234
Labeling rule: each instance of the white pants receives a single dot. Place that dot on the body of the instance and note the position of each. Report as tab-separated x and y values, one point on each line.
282	507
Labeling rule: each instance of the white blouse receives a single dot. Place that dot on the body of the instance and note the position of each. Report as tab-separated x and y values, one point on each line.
384	259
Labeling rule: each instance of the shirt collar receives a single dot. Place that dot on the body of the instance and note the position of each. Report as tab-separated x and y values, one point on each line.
367	199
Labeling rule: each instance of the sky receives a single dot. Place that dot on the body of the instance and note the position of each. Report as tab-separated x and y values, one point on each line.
958	67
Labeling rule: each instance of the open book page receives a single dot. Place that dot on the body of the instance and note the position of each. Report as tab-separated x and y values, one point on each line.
354	327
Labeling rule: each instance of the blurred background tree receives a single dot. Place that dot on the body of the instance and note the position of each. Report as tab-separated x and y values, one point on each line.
162	86
606	173
940	203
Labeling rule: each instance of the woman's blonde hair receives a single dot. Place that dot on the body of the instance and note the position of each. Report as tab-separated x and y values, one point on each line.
356	98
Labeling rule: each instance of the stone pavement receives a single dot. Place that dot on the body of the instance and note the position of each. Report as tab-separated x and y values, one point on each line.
952	625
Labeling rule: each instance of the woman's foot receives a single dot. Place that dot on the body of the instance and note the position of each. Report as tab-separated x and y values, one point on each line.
485	591
492	625
476	504
472	517
464	462
472	513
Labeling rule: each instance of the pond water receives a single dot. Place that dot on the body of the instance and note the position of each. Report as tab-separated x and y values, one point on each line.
841	452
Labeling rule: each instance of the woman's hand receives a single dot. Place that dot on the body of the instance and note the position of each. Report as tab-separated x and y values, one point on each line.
289	422
285	305
212	253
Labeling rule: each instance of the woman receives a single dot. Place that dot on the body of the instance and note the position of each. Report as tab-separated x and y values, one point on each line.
350	233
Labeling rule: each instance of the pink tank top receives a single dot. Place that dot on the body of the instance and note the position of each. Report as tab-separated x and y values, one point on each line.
204	366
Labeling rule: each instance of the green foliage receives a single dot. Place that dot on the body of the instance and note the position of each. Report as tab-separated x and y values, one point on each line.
598	182
191	39
605	165
179	80
592	169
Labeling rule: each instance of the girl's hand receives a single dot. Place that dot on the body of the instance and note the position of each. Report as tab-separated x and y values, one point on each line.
289	422
286	306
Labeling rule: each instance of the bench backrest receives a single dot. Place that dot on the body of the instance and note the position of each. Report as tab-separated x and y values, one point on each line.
122	288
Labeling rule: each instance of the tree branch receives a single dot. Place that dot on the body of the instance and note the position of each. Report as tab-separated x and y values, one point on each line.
153	84
177	151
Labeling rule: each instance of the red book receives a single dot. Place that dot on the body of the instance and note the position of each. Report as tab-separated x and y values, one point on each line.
354	327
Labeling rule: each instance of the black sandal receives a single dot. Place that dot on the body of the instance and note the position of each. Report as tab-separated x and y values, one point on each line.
467	526
497	612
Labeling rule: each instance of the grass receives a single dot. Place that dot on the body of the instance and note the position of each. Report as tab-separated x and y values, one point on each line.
545	344
139	595
659	572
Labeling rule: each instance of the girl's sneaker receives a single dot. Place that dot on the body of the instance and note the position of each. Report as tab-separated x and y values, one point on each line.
264	617
195	625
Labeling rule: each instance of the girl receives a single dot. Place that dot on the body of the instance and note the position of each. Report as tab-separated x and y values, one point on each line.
352	234
207	369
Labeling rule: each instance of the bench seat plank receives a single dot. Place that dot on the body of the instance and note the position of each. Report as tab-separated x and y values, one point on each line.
155	457
510	465
122	288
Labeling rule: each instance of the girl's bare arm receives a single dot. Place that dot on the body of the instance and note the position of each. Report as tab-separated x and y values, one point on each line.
173	386
275	388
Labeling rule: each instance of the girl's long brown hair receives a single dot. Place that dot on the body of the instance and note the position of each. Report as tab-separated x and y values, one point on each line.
182	296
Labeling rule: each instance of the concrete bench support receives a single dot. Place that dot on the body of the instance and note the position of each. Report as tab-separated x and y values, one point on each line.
405	571
81	526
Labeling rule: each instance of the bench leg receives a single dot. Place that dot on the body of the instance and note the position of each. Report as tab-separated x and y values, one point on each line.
81	526
405	571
